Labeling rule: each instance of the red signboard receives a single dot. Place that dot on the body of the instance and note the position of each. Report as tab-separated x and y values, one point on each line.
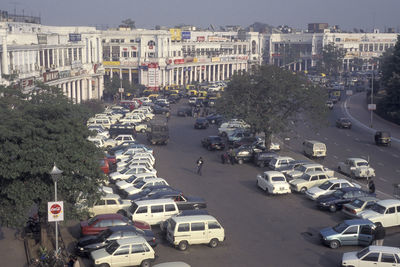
201	38
55	209
179	61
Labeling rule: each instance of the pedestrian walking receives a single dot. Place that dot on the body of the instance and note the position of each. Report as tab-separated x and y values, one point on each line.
371	186
199	163
167	116
379	235
231	156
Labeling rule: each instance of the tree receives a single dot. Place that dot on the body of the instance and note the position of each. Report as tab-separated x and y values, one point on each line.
37	130
332	59
129	23
270	99
391	83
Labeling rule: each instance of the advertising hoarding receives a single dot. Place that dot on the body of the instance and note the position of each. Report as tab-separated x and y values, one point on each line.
75	37
185	35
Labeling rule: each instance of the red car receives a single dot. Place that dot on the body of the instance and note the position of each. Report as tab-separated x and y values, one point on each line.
105	167
101	222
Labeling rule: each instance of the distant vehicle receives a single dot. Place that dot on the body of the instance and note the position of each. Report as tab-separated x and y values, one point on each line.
184	111
201	123
382	138
328	187
329	104
356	167
157	132
354	208
273	182
384	212
343	123
372	256
215	118
263	158
213	143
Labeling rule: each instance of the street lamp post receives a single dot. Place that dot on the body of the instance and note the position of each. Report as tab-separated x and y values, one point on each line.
56	175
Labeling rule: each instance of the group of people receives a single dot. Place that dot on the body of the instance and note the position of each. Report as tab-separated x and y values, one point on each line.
228	157
200	112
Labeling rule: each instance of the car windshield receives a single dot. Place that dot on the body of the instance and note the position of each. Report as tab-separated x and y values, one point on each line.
110	248
326	185
124	170
362	253
139	184
378	208
338	193
131	179
300	168
278	179
362	163
340	227
357	203
104	235
92	220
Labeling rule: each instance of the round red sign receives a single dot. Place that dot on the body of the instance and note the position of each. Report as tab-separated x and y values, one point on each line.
55	209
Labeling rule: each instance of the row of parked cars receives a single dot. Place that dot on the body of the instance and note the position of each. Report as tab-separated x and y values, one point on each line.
136	201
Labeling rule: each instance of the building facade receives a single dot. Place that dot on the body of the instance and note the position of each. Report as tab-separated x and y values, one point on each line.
66	57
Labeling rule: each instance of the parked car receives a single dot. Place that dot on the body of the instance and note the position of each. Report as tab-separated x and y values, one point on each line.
329	104
110	203
104	166
262	159
132	251
291	166
343	123
183	202
164	224
308	180
245	153
184	111
349	232
215	119
238	135
149	191
337	199
201	123
356	167
135	178
328	187
160	110
279	162
354	208
101	222
382	138
384	212
314	149
308	168
87	244
117	129
213	143
136	188
379	256
273	182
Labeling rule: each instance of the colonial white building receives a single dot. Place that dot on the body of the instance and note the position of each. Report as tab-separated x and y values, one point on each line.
156	58
67	57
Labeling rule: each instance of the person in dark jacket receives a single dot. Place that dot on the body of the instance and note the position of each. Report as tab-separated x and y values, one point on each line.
371	186
199	163
379	235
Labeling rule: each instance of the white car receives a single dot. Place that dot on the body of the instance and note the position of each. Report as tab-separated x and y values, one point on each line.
110	203
356	167
278	162
377	256
148	116
307	168
144	163
228	128
138	156
384	212
132	251
127	172
328	187
136	188
123	138
124	155
273	182
192	100
134	178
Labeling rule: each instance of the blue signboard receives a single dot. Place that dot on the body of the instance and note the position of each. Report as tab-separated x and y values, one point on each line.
74	37
185	35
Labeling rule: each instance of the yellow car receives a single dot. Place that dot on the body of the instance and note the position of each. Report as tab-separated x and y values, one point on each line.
192	93
202	93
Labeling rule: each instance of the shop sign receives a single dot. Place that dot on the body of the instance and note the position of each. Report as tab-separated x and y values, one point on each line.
111	63
75	37
201	38
50	76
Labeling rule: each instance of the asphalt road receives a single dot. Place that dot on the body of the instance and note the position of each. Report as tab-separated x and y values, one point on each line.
261	230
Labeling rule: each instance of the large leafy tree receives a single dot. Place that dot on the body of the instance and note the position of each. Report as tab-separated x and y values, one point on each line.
270	99
38	130
332	59
391	83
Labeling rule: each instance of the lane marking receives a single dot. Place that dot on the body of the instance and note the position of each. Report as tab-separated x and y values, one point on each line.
396	156
383	179
380	163
336	144
348	150
356	139
325	138
381	150
368	144
397	170
317	134
347	135
336	157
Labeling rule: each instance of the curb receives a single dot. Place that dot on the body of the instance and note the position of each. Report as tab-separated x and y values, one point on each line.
371	130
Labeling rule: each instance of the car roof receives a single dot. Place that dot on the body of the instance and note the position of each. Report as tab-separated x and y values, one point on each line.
130	240
310	165
385	249
108	216
282	157
122	228
154	201
336	180
358	222
347	189
274	173
153	179
368	198
358	159
315	173
110	196
388	202
313	141
180	219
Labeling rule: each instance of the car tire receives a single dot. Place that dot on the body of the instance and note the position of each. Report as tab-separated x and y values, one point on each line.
334	244
303	190
378	224
213	243
183	245
147	119
143	131
339	169
212	121
122	212
332	208
104	265
145	263
240	161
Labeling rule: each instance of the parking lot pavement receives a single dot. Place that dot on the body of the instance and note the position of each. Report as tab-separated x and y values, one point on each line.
12	250
261	230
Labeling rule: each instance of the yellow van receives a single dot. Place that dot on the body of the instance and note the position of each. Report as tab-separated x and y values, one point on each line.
192	93
202	93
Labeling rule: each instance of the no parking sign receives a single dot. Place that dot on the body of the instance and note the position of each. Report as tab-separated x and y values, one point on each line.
55	211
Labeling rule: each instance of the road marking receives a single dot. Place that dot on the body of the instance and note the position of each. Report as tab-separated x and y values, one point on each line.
336	144
317	133
325	138
383	179
348	134
368	144
356	139
395	155
390	196
348	150
380	164
397	170
336	157
381	150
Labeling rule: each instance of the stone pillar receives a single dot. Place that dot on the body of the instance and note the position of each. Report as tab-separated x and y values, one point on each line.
228	71
181	83
69	93
120	74
73	92
223	72
130	75
78	92
214	72
208	69
163	77
89	88
48	58
191	74
195	73
4	59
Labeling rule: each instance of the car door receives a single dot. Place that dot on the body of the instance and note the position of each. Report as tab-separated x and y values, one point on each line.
365	236
138	254
387	259
121	256
99	207
350	236
370	260
141	214
198	233
347	197
169	211
156	214
390	217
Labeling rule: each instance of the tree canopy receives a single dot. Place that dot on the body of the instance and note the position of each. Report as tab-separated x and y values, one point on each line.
270	99
332	59
37	130
390	105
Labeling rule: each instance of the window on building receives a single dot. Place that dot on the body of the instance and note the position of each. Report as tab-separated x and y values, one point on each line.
371	47
125	54
174	53
179	53
386	46
133	54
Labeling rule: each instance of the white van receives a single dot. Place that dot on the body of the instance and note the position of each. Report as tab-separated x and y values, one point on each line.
105	122
314	149
153	211
196	229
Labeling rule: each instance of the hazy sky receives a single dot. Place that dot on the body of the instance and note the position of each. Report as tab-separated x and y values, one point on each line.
348	14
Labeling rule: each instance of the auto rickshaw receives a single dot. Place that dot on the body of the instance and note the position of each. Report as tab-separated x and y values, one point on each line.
192	93
382	138
153	96
202	93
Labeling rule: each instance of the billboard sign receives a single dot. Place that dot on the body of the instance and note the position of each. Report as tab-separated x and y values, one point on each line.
55	211
185	35
42	38
75	37
371	106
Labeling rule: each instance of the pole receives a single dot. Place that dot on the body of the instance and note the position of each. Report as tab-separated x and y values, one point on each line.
55	199
372	95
